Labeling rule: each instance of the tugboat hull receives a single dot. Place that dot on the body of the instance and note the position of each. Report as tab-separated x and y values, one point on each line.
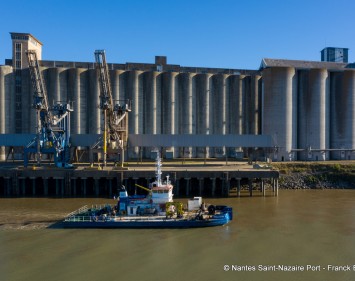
147	223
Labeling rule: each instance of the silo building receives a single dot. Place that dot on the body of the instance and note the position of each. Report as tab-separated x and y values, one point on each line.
166	98
307	107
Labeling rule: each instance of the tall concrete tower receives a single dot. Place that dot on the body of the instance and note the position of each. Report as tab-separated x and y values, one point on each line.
21	42
334	54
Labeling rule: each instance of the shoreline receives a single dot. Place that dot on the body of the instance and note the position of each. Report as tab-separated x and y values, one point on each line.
316	175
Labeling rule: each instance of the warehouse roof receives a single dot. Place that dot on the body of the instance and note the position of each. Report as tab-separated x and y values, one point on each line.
301	64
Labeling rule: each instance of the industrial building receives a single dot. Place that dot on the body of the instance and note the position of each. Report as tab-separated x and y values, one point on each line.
307	107
334	54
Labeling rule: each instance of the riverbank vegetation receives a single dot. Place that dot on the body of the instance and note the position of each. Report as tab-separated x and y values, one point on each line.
316	175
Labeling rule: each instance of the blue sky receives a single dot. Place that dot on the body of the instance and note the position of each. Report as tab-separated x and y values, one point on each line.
206	33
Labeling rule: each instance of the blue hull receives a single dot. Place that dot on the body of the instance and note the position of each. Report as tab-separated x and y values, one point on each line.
168	223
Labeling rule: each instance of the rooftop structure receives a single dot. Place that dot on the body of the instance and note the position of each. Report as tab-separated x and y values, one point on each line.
334	54
301	64
21	42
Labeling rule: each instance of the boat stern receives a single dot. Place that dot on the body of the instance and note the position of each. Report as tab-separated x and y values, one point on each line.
226	210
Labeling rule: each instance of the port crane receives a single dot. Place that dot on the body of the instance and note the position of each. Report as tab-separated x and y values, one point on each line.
115	115
53	123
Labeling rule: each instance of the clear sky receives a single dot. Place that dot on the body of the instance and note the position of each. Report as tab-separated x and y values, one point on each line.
206	33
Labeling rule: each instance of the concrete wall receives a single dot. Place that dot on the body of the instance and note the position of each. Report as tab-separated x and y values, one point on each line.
342	97
6	103
310	111
77	89
29	44
314	112
187	101
299	108
280	110
349	119
162	102
219	110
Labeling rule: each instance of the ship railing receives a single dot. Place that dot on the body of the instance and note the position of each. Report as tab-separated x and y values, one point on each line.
140	218
99	207
93	218
79	211
78	219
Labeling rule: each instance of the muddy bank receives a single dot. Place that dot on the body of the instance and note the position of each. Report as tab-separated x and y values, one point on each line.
304	175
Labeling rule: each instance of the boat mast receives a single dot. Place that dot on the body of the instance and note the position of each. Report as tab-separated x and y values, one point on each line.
158	169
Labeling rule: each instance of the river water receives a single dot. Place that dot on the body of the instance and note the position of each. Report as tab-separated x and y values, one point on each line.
311	230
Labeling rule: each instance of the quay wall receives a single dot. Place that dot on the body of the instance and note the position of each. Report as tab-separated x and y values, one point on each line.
104	183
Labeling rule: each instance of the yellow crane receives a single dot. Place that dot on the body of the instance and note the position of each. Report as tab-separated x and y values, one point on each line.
142	187
115	130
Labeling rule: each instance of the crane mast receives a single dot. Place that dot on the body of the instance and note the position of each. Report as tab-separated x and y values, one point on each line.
115	115
53	127
106	100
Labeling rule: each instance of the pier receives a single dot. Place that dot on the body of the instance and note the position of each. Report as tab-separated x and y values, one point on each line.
211	180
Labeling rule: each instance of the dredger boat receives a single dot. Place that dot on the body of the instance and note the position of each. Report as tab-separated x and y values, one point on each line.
155	210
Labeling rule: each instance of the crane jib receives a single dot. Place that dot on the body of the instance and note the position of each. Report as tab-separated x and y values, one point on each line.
52	122
115	129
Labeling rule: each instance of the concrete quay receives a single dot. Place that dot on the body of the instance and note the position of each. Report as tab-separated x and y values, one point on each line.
214	179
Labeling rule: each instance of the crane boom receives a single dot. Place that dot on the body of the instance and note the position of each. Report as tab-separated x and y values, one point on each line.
144	188
115	114
40	99
52	122
106	101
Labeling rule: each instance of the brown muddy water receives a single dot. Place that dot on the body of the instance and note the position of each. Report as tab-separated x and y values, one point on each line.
310	231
